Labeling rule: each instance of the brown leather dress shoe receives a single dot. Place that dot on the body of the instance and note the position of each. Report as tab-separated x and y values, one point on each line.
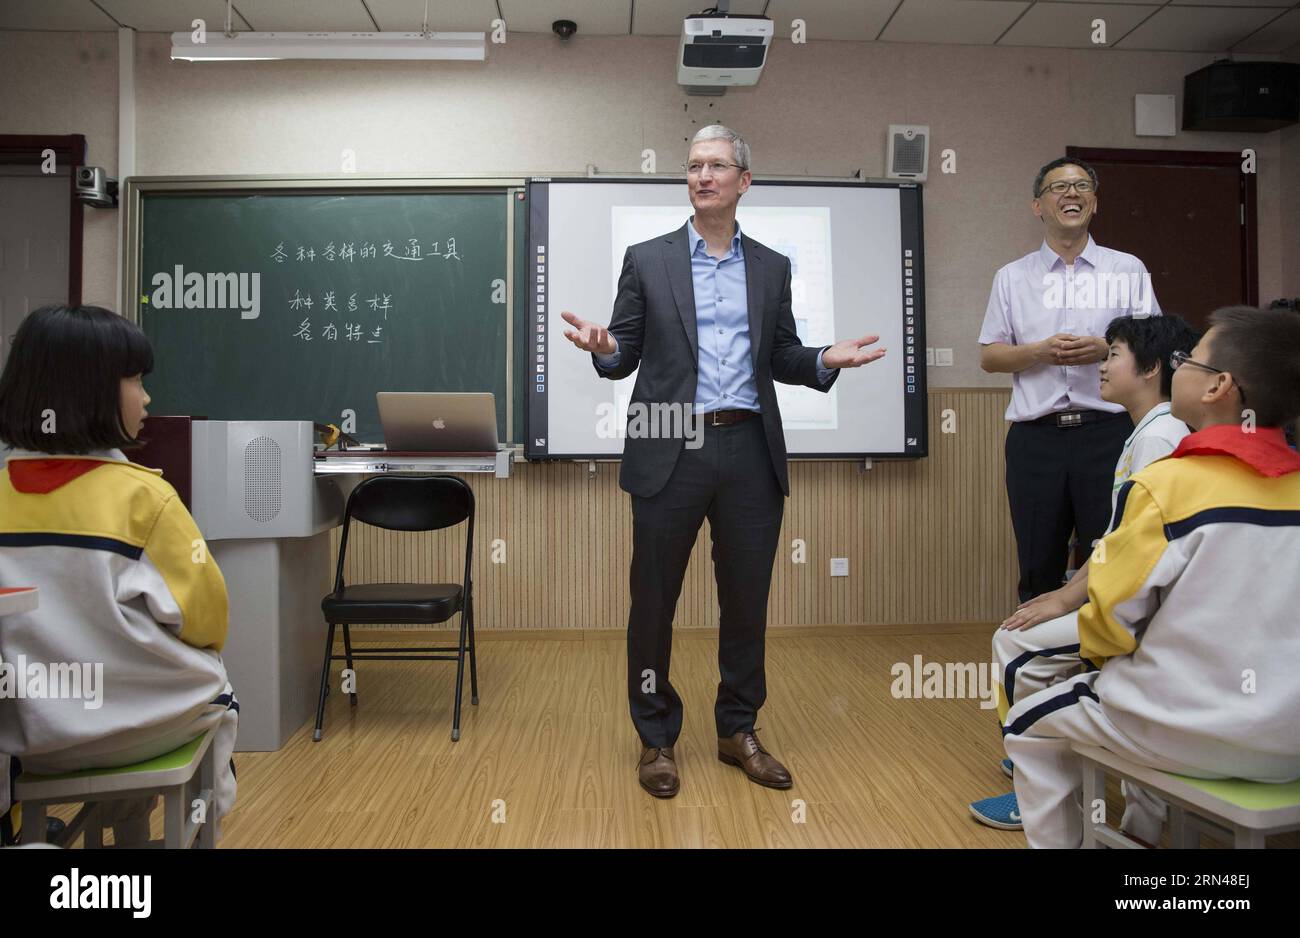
657	772
746	751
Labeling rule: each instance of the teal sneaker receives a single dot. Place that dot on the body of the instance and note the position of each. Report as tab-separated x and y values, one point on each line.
1002	812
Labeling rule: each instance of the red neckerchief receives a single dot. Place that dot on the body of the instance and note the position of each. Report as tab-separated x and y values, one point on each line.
42	476
1264	450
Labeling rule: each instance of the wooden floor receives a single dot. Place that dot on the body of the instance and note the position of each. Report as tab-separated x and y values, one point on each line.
550	753
551	748
548	758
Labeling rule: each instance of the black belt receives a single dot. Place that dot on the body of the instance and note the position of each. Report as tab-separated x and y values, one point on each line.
1075	418
725	418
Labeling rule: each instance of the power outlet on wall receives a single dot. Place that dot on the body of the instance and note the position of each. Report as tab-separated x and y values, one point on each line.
943	357
839	566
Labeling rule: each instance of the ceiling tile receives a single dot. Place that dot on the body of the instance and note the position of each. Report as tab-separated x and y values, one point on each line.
1070	24
832	19
1277	36
594	17
306	16
1196	29
1233	3
664	17
170	16
448	16
973	22
77	15
1192	3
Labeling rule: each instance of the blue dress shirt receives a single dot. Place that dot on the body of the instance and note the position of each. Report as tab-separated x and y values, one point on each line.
726	373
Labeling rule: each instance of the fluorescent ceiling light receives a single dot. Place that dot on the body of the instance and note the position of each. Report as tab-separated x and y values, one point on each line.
246	46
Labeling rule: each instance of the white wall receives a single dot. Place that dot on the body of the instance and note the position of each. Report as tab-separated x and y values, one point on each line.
537	106
66	83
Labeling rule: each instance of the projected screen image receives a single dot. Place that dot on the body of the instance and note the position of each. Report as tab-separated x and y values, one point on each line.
855	257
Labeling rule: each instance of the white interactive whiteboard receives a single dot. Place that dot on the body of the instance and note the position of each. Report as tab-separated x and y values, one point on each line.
856	269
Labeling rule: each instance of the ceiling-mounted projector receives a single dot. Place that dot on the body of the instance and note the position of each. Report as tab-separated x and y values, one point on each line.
721	49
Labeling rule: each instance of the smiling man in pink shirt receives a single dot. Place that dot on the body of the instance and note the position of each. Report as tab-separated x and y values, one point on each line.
1045	326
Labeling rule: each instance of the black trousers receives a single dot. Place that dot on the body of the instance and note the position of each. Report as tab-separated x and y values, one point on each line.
1059	480
729	480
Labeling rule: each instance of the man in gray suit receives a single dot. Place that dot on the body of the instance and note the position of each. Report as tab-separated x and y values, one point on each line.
710	310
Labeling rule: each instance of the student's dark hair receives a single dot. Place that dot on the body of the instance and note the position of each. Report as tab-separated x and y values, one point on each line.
64	374
1152	339
1260	348
1057	164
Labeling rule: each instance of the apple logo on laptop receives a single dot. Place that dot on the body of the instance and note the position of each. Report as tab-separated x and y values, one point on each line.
439	424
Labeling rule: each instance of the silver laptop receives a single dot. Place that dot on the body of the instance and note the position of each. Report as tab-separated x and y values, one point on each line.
438	422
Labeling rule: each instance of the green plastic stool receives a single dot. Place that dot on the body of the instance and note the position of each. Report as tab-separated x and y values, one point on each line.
1233	809
181	776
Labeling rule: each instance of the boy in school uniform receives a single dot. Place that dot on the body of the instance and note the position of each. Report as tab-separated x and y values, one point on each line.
129	597
1190	621
1038	644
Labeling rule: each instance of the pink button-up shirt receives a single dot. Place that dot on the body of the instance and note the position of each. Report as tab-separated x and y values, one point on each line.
1038	296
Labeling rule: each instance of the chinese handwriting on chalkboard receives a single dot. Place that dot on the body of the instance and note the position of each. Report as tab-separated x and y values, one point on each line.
352	332
380	302
349	252
411	250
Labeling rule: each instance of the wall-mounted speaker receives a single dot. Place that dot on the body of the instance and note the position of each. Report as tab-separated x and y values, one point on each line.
1242	96
909	152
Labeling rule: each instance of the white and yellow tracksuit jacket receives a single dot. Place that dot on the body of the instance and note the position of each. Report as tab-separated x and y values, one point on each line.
1194	605
125	582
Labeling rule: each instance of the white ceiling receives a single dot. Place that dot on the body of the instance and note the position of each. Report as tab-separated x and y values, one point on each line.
1247	26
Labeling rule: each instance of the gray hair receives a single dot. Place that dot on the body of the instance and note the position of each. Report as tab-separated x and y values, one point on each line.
739	148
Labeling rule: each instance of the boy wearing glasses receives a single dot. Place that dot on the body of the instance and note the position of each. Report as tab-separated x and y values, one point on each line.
1038	644
1045	325
1192	595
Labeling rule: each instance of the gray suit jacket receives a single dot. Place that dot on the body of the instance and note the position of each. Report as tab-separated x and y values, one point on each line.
654	314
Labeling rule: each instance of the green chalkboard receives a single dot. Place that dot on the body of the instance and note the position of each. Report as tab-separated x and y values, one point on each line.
301	305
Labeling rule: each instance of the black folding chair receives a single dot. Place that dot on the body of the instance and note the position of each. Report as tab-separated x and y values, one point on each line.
404	503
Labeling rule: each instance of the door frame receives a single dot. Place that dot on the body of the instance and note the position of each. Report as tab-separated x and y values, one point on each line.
26	150
1212	159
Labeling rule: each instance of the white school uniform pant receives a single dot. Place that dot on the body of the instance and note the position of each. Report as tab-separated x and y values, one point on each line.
129	817
1030	660
1049	774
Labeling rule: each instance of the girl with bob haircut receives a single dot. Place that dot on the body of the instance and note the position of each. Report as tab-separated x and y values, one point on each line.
129	598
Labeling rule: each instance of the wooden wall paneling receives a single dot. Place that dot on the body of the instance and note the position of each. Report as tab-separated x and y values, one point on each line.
928	541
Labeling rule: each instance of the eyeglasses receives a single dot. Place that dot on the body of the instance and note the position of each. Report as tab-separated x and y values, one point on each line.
1179	358
717	168
1061	186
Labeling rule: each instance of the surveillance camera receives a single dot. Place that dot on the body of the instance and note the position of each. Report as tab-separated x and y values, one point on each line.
95	187
564	28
